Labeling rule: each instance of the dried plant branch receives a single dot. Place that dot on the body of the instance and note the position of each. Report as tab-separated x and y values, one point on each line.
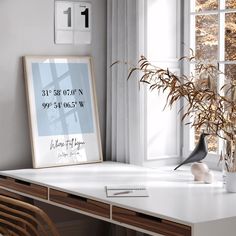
213	111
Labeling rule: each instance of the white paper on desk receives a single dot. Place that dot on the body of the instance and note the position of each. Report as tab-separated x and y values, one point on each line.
126	191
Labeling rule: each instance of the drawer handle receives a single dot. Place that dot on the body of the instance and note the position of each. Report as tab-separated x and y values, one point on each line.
77	197
22	182
147	217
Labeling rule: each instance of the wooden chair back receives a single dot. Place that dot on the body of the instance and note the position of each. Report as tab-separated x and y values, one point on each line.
18	218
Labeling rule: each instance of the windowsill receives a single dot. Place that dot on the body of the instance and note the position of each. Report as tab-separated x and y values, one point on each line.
211	160
161	161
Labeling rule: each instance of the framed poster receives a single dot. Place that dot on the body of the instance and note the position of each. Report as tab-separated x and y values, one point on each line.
62	110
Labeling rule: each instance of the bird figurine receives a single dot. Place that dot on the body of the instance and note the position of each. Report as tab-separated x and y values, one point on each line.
199	152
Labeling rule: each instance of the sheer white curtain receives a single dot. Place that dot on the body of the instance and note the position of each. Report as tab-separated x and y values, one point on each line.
125	136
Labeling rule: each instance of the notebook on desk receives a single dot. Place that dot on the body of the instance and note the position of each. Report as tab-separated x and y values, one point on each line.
126	191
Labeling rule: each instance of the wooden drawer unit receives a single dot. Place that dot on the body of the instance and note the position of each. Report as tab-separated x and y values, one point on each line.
150	223
80	203
24	187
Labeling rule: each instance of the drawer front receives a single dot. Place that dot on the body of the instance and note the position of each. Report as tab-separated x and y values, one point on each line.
24	187
150	223
80	203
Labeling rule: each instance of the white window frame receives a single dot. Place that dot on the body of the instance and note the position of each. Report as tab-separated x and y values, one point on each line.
189	29
174	65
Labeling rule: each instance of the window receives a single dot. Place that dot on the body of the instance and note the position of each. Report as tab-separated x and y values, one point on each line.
162	47
211	33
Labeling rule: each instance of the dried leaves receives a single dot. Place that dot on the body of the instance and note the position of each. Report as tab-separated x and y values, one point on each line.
204	103
213	111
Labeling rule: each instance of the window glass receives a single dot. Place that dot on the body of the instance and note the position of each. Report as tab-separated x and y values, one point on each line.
206	37
230	36
230	4
203	81
203	5
214	40
230	72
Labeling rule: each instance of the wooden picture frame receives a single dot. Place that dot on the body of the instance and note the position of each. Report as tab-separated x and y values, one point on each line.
63	115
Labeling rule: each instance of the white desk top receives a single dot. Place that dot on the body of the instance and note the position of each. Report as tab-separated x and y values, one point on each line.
173	194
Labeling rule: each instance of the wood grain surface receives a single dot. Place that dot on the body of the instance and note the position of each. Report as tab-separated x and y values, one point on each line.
24	187
81	203
153	224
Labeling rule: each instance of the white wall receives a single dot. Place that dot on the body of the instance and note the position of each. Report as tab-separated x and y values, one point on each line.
27	28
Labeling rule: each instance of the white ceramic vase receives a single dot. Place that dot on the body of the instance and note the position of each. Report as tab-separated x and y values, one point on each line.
230	184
